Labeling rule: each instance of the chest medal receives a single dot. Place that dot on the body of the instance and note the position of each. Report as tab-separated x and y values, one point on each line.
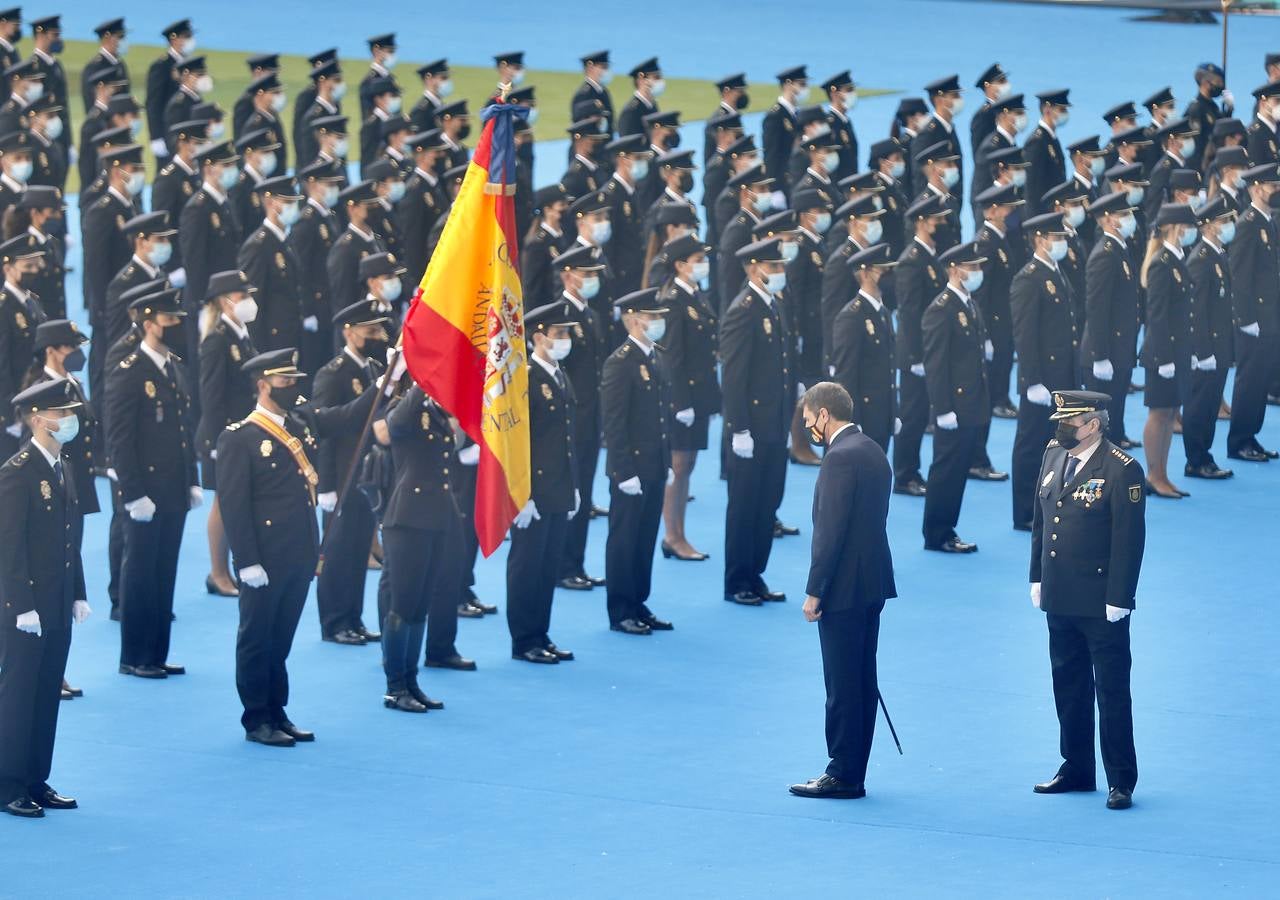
1089	492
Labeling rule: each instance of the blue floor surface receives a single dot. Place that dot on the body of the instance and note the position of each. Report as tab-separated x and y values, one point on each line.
658	766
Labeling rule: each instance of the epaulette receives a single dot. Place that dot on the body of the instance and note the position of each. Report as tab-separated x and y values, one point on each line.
129	360
236	425
1166	256
913	251
129	270
346	236
168	169
775	108
1256	126
18	460
1029	268
200	197
940	300
747	298
1121	455
334	364
1039	131
102	202
1053	442
259	236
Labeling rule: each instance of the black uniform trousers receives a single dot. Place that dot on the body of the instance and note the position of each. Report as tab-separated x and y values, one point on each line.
999	372
980	456
1118	390
913	410
849	638
755	492
470	549
1200	415
115	546
1090	657
1256	360
953	452
340	584
628	550
586	452
424	573
148	574
1035	430
268	621
532	564
31	670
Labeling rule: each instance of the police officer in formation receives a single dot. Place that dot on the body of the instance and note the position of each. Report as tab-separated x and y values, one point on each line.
807	265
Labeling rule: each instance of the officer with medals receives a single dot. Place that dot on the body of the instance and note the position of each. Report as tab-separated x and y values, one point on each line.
152	445
267	495
635	401
956	353
537	538
1087	541
42	586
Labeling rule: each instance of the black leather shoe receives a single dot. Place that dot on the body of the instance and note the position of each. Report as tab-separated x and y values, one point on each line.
24	808
346	637
744	598
51	799
467	611
953	545
1004	411
781	529
913	488
269	737
576	583
67	695
1273	399
826	786
1119	798
420	695
656	624
485	608
403	701
537	655
73	691
1059	784
115	614
1269	454
631	626
599	512
771	596
595	582
562	655
1248	454
172	669
1021	526
1208	470
459	663
370	637
302	736
144	671
987	473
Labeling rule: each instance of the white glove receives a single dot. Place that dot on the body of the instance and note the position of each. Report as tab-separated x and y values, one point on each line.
779	201
631	486
1039	395
112	476
685	417
1035	594
469	455
328	501
196	494
15	429
29	622
80	611
948	421
141	510
311	324
897	424
526	516
799	389
577	503
671	476
1251	329
73	156
213	455
1228	101
1209	363
1166	370
1103	370
744	445
178	277
989	350
831	370
391	378
254	576
159	148
917	369
1116	613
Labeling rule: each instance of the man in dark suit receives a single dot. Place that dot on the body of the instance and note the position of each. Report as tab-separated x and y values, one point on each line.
850	577
42	583
1090	500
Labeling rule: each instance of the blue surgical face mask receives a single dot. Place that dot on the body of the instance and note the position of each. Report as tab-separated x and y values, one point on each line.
823	223
589	288
396	191
950	176
160	254
227	177
763	202
775	282
64	430
1188	237
639	169
655	330
701	271
601	232
875	230
897	169
1227	233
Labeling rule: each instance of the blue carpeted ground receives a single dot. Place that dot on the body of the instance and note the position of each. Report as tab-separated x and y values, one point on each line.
658	765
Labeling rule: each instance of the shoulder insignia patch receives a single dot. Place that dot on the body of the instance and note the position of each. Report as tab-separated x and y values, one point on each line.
1121	455
1135	493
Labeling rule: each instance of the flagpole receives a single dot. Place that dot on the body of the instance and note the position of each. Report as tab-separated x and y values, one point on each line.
1226	4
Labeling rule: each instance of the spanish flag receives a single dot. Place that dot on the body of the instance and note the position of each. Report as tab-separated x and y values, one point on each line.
464	340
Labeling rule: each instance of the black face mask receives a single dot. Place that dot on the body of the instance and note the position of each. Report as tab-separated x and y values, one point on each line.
524	153
464	131
26	280
744	99
1215	90
74	361
174	336
286	397
1066	435
55	227
374	348
815	435
686	182
672	141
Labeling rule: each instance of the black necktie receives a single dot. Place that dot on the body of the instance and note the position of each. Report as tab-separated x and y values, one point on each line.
57	470
559	378
1073	463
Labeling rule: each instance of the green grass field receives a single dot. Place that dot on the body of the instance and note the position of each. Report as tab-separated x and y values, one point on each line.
696	99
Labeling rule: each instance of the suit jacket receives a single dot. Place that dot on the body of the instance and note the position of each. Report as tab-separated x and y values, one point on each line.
50	283
210	237
162	81
690	350
173	187
343	266
599	98
1255	273
422	205
755	355
931	133
631	119
227	393
1046	168
955	368
552	463
1111	306
40	565
862	354
777	140
427	467
636	406
272	267
850	564
115	320
18	323
339	382
1044	331
997	276
78	453
1096	528
584	365
1168	334
917	280
311	239
1212	332
105	249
